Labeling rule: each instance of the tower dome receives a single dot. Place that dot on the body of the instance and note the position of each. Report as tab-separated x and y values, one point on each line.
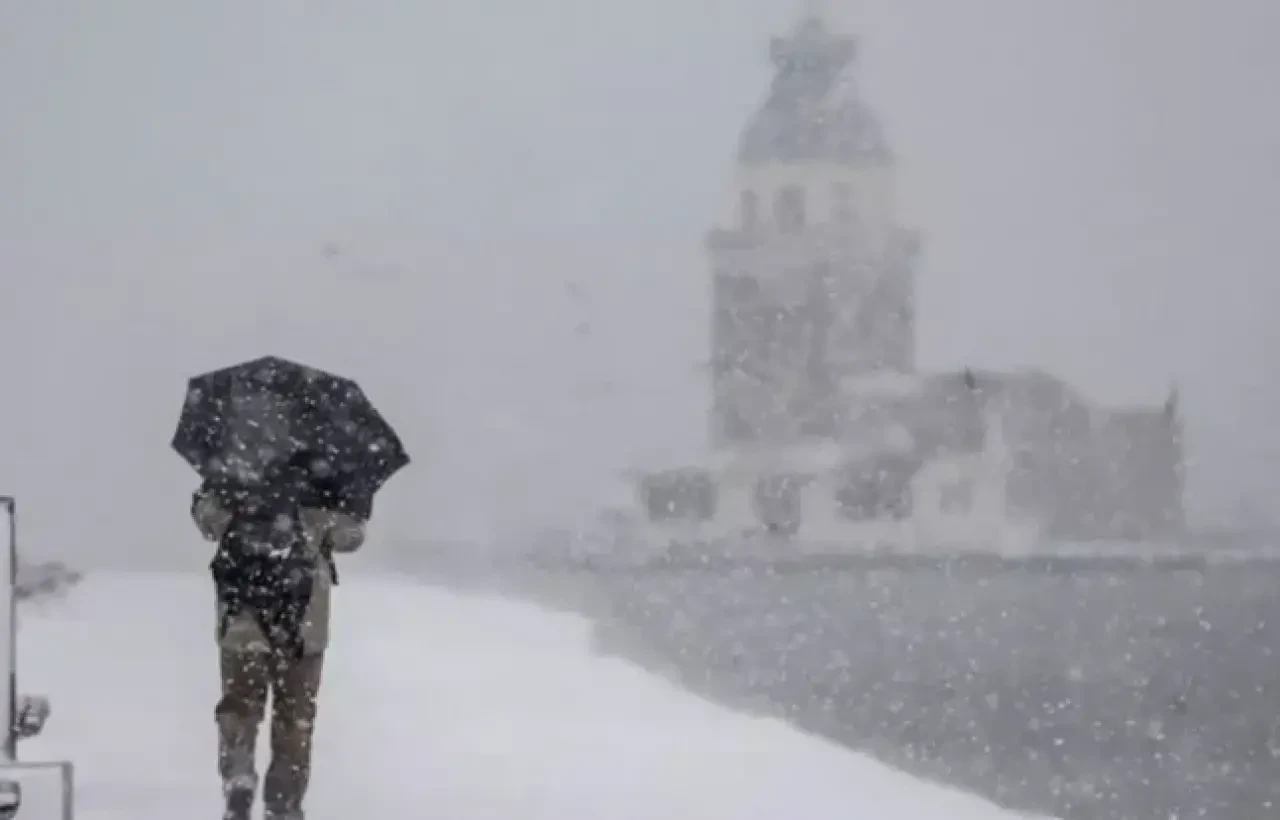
812	112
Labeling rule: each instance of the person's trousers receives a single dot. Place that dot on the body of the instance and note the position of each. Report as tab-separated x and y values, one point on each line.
293	683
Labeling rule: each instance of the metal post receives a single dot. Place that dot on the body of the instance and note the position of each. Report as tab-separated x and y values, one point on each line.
10	506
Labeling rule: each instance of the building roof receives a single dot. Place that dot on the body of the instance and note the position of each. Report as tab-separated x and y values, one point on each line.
812	111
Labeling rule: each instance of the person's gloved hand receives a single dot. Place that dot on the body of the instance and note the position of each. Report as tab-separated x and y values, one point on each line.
345	533
209	516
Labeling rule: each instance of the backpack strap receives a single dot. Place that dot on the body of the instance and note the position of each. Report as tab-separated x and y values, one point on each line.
333	567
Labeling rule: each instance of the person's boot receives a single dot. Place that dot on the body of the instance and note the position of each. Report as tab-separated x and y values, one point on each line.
239	794
278	805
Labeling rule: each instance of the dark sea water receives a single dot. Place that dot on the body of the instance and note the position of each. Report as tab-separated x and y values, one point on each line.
1099	691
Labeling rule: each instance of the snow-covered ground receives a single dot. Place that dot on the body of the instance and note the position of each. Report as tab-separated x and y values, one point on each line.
435	704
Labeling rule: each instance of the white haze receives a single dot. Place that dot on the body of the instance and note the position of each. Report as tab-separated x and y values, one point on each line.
404	192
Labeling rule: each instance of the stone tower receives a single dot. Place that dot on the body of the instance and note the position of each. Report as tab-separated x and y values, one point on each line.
813	277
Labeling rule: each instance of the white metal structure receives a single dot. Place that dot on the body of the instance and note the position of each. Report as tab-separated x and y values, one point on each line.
28	791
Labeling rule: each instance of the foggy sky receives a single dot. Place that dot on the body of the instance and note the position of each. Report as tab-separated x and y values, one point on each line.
1096	182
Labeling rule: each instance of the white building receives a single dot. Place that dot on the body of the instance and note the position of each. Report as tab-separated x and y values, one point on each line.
824	434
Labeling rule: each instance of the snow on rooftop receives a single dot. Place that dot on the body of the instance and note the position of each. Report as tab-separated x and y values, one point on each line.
435	705
883	384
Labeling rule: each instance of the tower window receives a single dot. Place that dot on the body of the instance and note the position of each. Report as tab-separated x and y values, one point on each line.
842	203
749	205
788	209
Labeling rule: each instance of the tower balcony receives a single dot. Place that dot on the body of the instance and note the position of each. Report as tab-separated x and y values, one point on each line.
765	252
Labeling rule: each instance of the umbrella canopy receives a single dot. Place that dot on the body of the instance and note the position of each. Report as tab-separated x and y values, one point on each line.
253	422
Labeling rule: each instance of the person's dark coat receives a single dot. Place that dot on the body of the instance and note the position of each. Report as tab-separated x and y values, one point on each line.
327	532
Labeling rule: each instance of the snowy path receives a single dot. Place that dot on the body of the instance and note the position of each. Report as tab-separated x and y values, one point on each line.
436	705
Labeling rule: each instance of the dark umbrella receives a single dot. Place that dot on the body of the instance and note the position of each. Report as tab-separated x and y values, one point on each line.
248	423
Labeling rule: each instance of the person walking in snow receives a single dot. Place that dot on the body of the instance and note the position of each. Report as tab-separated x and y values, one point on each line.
274	574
